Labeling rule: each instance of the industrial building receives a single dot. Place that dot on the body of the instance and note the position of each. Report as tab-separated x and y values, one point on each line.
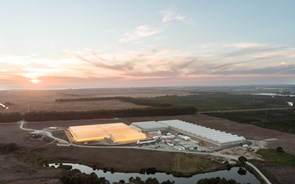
209	135
150	126
213	136
117	132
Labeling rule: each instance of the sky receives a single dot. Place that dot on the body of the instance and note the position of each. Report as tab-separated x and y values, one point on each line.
55	44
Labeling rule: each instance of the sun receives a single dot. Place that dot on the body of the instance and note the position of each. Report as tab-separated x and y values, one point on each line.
35	81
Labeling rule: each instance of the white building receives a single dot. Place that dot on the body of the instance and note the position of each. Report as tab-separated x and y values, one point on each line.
150	126
213	136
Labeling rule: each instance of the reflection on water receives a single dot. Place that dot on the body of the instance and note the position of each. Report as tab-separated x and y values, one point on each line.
273	94
116	176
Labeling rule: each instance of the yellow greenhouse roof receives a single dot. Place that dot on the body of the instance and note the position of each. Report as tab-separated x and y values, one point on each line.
118	132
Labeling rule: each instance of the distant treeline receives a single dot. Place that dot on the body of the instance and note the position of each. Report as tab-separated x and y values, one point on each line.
281	120
137	101
10	117
95	114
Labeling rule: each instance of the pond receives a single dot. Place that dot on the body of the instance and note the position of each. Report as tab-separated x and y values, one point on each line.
116	176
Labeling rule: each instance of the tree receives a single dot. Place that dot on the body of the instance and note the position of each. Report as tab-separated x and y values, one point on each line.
216	180
242	159
151	181
136	180
8	148
168	182
242	171
280	149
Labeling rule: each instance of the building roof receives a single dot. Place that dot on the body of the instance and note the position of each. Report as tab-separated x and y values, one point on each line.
150	125
118	132
215	136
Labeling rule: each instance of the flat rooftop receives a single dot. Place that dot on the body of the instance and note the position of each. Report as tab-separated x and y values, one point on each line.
150	125
117	132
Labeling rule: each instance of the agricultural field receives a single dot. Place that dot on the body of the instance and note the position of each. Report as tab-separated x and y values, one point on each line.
282	120
224	101
278	157
203	99
23	101
44	100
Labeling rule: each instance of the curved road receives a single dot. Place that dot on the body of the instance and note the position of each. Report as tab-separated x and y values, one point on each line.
42	132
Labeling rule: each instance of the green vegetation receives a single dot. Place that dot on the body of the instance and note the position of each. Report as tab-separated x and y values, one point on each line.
223	101
202	101
10	117
188	163
74	115
277	157
216	180
180	105
65	167
94	114
75	176
38	159
8	148
137	101
151	170
242	159
155	109
282	120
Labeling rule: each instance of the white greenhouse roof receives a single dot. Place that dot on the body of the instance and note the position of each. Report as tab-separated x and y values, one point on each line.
150	125
215	136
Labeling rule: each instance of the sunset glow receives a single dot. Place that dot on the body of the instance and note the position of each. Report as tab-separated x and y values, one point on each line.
35	81
98	44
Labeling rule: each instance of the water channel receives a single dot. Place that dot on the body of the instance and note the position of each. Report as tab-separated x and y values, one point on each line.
116	176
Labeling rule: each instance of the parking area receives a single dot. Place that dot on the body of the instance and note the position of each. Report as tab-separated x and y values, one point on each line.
171	141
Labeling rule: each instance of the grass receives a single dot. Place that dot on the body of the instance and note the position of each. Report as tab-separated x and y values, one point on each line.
187	163
271	155
282	120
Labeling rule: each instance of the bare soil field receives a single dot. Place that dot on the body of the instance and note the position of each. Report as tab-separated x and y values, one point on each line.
16	168
24	101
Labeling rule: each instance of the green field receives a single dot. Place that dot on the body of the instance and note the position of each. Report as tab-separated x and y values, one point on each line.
271	155
282	120
224	101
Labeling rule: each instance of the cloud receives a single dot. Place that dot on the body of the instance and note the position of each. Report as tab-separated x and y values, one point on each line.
167	63
142	31
249	62
247	45
145	30
270	70
155	64
169	15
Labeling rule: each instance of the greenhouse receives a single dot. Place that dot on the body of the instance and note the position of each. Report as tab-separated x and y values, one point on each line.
116	132
213	136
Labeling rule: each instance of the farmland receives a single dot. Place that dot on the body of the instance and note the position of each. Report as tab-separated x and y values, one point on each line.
136	100
224	101
282	120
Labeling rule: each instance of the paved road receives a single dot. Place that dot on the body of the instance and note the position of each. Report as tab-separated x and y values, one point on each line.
246	110
42	132
258	171
62	141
